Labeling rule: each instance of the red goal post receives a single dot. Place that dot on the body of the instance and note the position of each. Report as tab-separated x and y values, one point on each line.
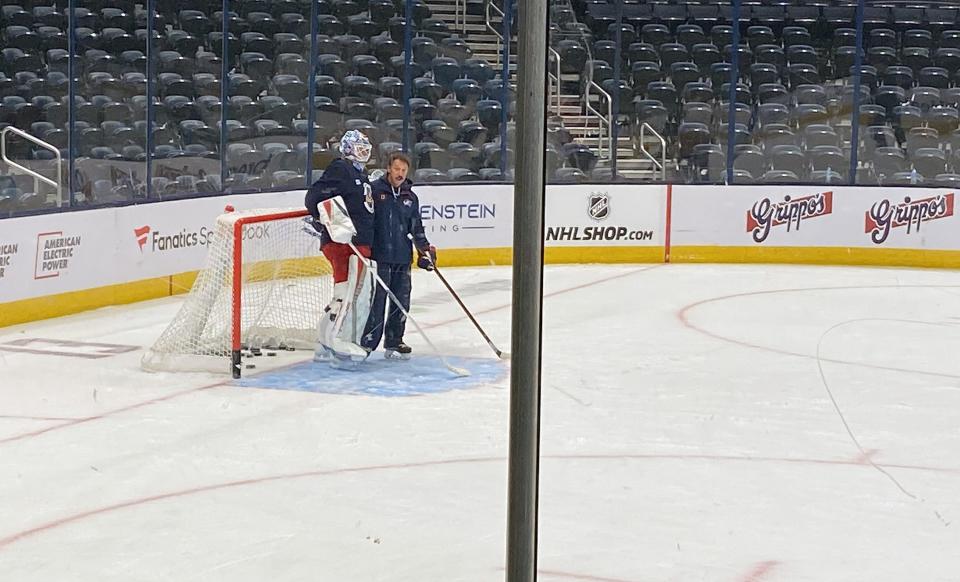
264	285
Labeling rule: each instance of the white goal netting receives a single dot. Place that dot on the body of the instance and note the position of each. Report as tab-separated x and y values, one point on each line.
284	283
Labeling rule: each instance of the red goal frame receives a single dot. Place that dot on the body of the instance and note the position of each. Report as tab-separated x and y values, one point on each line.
238	225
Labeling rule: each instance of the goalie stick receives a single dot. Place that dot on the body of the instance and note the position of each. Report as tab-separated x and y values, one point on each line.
500	354
456	370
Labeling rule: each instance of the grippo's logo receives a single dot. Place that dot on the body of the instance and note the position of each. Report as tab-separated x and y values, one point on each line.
884	215
598	205
766	214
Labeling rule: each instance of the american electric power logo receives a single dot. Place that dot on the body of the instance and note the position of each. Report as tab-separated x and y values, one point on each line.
160	241
884	215
7	252
767	214
54	253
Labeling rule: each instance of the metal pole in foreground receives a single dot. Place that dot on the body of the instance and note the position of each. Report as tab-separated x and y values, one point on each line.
527	316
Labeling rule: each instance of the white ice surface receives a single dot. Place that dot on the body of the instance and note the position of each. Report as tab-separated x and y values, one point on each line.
687	435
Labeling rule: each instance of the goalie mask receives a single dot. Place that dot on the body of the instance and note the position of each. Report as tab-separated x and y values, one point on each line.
355	146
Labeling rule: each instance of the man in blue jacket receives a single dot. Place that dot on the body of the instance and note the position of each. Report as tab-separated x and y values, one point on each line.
396	219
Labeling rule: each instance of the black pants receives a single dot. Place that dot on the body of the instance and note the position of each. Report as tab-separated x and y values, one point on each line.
397	278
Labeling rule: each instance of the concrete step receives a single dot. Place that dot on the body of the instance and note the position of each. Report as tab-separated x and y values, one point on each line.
628	163
576	122
484	37
491	53
582	129
622	142
581	121
647	172
485	49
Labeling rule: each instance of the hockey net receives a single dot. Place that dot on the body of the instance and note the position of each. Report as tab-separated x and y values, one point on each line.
264	285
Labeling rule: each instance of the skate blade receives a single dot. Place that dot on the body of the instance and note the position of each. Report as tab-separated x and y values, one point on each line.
394	355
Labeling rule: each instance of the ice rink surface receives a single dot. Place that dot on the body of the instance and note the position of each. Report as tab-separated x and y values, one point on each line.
700	423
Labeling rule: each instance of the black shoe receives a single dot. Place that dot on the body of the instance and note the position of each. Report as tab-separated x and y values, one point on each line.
400	348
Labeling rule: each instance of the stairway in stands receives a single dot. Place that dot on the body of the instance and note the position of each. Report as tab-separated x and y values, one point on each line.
583	127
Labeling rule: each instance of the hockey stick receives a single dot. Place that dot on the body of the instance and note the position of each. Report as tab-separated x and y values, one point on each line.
500	354
457	371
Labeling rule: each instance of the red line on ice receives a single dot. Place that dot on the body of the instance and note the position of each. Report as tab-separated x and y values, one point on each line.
684	316
78	421
66	520
23	417
760	571
87	419
546	295
864	457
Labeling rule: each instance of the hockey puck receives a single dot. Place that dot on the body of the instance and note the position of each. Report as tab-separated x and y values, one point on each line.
271	354
256	352
250	366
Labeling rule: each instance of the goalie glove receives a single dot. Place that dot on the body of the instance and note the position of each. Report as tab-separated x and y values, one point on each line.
314	223
333	215
427	258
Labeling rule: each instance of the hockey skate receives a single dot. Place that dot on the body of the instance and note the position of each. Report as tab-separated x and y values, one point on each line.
401	351
338	352
322	354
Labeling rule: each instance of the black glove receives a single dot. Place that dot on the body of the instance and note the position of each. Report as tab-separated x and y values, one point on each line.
315	223
427	258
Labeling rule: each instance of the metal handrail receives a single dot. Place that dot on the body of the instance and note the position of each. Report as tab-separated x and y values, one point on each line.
603	120
491	28
662	163
37	176
556	56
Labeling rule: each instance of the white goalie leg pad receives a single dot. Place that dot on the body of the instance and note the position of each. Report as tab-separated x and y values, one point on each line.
345	318
326	325
363	288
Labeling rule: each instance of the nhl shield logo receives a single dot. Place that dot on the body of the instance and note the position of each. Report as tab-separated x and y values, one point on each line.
598	205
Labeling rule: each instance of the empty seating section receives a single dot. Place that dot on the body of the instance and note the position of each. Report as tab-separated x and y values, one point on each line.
456	112
776	107
793	90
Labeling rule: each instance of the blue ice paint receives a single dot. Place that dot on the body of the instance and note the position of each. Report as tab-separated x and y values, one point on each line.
379	377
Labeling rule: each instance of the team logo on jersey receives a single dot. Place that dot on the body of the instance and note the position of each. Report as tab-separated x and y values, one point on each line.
884	215
368	197
598	205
